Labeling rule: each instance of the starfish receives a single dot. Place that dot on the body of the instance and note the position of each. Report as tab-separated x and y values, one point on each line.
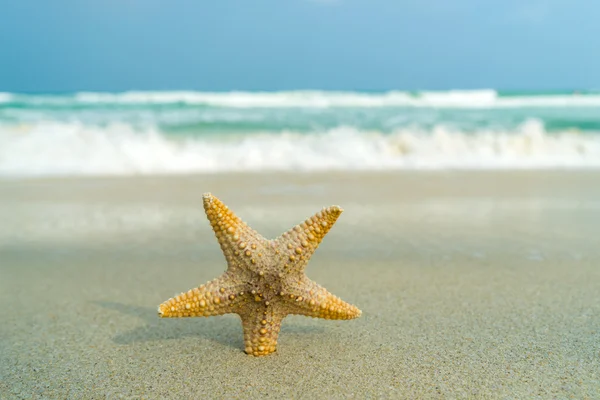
265	279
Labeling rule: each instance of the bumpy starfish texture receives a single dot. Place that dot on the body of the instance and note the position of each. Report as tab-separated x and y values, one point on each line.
265	279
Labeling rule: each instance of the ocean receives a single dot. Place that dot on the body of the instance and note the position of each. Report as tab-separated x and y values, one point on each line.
136	133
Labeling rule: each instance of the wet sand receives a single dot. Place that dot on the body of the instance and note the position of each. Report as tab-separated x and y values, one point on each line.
472	285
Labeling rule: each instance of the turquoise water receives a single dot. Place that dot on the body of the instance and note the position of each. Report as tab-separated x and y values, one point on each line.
184	132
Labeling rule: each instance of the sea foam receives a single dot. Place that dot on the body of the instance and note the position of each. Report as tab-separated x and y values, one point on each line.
486	98
182	132
319	99
58	149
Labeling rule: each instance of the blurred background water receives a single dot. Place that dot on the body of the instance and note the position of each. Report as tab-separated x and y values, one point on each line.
191	131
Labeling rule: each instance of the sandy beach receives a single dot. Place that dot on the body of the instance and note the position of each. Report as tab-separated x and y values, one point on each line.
472	285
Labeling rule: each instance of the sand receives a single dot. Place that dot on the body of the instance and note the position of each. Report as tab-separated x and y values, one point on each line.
472	285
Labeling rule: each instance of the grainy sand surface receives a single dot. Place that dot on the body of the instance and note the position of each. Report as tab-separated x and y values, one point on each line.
472	285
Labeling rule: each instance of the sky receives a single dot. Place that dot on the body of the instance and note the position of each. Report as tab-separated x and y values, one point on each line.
119	45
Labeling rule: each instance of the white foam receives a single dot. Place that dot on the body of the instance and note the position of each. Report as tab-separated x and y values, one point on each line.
486	98
5	97
319	99
313	99
50	149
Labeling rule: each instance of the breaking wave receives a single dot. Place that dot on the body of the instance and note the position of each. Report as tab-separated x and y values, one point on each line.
59	148
320	99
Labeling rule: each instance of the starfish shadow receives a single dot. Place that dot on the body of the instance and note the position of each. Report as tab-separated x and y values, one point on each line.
227	331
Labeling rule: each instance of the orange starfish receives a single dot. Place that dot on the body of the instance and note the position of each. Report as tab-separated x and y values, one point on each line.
265	279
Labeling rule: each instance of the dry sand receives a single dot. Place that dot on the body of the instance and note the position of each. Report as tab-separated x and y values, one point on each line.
472	285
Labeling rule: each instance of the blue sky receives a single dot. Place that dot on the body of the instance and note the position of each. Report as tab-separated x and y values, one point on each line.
115	45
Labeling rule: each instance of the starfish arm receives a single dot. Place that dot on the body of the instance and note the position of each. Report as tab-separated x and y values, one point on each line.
217	297
261	326
299	243
312	300
241	244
